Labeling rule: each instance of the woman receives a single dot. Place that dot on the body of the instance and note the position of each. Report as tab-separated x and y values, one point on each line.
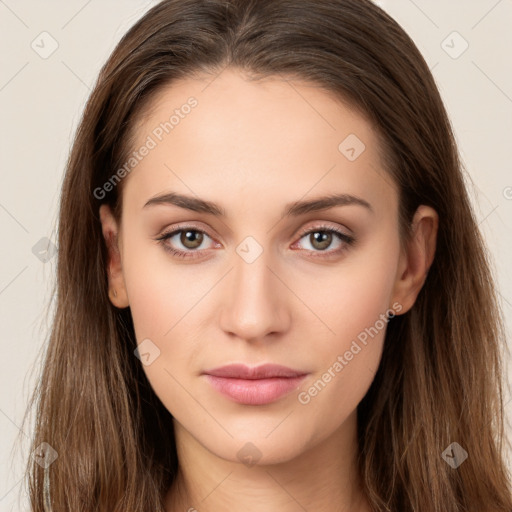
272	291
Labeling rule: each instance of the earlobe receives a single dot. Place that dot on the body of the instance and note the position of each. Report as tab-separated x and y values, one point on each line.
116	285
416	259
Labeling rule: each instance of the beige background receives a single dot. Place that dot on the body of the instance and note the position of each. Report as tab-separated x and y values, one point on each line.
41	100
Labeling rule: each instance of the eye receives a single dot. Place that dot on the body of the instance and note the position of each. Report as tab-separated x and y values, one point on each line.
320	238
189	237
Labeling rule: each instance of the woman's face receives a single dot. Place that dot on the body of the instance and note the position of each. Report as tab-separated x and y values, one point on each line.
253	287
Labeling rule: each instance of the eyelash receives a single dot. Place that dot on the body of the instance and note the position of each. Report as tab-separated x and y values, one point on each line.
348	240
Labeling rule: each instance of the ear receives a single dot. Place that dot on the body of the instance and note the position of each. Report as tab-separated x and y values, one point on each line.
416	258
116	285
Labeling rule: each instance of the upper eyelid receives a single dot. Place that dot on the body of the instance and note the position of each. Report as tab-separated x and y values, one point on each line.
323	225
178	229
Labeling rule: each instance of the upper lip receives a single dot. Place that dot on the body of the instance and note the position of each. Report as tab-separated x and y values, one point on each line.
264	371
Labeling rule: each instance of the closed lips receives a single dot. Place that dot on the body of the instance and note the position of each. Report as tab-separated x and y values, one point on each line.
266	371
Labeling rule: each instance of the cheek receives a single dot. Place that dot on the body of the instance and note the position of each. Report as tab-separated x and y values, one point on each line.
168	305
162	299
158	290
354	306
354	296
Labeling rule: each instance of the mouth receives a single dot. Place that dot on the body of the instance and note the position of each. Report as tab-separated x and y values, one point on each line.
254	386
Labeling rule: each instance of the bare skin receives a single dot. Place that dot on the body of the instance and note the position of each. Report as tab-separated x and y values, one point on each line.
253	148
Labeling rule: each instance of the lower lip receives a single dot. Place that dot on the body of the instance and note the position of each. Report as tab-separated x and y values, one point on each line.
255	391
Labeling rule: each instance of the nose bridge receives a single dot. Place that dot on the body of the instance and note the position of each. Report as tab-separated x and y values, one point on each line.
255	306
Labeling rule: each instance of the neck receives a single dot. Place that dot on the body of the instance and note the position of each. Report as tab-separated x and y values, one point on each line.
323	478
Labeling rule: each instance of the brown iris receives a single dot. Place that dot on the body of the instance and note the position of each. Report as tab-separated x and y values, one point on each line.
191	239
320	239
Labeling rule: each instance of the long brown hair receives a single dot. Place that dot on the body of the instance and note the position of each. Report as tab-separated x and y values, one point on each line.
440	380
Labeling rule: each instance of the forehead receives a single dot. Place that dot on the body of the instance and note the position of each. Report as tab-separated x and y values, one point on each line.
222	134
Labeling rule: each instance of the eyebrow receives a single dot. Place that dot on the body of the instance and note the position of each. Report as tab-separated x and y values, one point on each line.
291	210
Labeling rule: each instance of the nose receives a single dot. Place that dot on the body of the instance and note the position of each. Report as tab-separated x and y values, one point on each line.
256	301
